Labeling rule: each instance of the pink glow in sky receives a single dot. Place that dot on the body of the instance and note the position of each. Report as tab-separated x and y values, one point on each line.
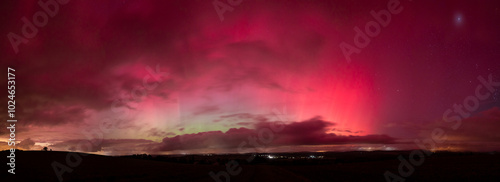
225	80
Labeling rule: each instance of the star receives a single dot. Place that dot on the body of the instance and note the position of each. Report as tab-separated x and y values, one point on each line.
458	19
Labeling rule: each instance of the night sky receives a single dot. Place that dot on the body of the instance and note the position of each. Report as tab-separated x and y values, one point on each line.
175	77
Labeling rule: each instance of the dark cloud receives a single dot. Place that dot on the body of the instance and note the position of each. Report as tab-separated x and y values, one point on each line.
245	117
483	127
54	115
96	145
206	110
244	123
239	116
26	143
310	132
345	131
155	132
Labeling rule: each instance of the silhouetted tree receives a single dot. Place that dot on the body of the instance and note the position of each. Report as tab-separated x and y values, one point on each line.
45	148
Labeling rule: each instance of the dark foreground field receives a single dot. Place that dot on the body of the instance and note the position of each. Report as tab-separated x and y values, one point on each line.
344	166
